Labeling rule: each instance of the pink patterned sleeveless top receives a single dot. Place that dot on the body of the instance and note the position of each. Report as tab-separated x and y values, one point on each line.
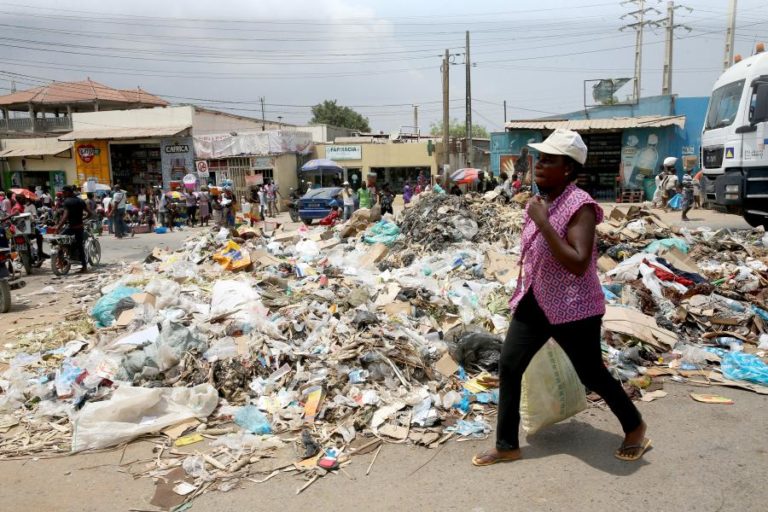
563	296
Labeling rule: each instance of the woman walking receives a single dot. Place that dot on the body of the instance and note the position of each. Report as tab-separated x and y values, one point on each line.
204	200
559	296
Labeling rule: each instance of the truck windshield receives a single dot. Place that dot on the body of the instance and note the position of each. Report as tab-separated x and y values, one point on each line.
723	105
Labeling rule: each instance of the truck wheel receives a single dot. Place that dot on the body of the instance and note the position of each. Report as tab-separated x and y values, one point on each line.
756	220
5	296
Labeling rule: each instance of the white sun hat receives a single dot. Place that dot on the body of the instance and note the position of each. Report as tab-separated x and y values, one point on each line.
670	161
563	142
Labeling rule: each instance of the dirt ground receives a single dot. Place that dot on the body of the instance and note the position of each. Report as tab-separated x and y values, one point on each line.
705	458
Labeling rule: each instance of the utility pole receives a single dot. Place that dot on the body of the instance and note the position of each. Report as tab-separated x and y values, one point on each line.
416	120
730	32
669	24
468	103
446	111
638	26
263	126
505	111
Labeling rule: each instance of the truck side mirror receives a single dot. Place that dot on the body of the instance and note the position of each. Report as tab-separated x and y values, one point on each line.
760	113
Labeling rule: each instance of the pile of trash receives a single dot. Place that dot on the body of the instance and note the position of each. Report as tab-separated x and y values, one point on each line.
255	352
437	220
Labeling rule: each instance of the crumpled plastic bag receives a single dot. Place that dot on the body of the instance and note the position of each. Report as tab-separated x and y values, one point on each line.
667	243
166	292
382	232
552	391
133	412
232	257
103	310
230	296
742	366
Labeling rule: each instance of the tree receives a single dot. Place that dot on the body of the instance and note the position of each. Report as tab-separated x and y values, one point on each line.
329	112
459	130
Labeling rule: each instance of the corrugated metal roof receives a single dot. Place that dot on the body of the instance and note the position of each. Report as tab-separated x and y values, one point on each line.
615	123
124	133
49	149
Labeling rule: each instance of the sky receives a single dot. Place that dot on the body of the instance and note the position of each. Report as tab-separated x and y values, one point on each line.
379	57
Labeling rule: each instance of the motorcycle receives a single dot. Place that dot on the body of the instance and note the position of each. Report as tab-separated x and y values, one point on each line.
9	278
23	241
64	252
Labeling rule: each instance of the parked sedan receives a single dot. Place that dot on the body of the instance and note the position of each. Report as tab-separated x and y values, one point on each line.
316	203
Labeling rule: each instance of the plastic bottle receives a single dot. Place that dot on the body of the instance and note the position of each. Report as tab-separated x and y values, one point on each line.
734	305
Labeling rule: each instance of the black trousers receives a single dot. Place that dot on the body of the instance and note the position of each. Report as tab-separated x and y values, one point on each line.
79	245
580	340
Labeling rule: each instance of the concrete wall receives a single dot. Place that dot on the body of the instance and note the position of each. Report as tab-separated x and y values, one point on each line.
325	133
138	118
207	122
285	172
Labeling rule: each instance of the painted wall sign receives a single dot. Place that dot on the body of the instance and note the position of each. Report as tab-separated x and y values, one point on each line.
347	152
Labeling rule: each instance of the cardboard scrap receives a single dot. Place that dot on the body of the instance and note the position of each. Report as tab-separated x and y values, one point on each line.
711	399
606	263
375	254
125	318
312	404
394	431
177	430
165	497
446	366
396	308
679	260
503	267
650	396
262	258
144	298
638	325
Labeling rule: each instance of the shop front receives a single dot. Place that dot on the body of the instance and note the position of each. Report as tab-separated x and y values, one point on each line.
624	154
136	166
382	163
45	164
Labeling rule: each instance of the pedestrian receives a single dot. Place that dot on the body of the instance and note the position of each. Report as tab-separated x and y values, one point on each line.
191	202
558	295
407	193
455	190
45	197
386	198
271	199
688	194
118	211
90	201
217	211
364	194
19	203
669	182
228	207
517	184
348	196
658	193
204	200
333	217
262	196
142	199
5	203
697	188
74	209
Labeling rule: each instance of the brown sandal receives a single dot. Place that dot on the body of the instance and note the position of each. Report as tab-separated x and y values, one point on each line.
637	451
490	459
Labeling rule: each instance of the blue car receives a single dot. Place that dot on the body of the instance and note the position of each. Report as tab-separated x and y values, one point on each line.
316	203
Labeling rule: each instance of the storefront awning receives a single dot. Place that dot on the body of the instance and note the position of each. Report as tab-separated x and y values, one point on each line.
615	123
48	150
124	133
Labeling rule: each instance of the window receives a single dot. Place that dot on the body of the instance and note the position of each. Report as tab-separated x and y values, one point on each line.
723	105
758	101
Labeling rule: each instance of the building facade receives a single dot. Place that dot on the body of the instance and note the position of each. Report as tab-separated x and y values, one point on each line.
627	143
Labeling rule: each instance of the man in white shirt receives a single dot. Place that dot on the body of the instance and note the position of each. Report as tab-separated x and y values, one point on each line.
349	200
118	211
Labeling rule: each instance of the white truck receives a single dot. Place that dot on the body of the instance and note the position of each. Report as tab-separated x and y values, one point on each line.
734	156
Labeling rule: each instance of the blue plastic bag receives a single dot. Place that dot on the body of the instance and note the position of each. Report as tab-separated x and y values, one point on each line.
667	243
103	310
741	366
676	203
253	420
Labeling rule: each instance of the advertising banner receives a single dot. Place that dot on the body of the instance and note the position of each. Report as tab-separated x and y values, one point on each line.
177	159
92	161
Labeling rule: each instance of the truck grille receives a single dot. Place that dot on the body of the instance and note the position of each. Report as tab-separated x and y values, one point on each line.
713	157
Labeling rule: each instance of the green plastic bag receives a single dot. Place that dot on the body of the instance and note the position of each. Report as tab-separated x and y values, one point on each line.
103	310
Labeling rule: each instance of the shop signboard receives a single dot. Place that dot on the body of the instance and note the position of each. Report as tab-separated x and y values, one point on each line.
92	161
262	162
176	158
254	179
344	152
202	169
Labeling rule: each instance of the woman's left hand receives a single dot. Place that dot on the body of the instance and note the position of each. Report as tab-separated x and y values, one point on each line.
538	210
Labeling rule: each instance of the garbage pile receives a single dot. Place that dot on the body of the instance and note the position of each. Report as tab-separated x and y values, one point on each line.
256	352
437	220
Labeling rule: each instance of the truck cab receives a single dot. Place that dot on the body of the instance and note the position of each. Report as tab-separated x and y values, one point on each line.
733	154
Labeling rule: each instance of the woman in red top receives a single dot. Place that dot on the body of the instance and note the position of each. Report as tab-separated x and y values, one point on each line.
331	218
